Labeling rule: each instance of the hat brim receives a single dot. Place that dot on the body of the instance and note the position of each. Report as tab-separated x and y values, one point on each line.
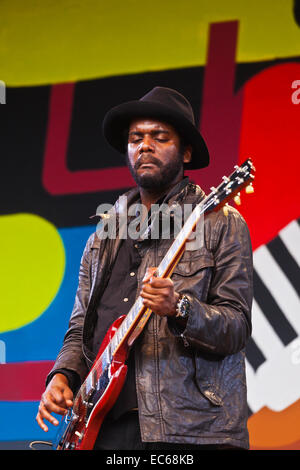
118	119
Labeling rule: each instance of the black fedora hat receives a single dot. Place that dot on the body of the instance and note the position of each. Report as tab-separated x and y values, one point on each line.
165	105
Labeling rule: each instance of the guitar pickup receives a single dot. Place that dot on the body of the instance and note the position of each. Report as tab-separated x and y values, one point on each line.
90	386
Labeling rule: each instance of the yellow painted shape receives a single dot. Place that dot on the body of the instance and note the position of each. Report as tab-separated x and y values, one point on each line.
32	268
51	41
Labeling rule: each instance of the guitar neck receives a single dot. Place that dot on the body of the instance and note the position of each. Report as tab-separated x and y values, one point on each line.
138	315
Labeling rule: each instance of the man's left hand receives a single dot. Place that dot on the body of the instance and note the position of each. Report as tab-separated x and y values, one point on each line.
159	294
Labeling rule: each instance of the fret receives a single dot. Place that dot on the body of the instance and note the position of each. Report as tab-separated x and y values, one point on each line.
122	330
118	337
125	323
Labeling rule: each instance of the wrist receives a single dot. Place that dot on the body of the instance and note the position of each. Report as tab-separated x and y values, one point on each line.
176	300
60	377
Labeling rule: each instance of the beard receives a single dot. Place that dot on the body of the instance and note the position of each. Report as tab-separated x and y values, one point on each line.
160	180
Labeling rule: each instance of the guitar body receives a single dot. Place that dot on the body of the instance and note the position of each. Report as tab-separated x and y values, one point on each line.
80	428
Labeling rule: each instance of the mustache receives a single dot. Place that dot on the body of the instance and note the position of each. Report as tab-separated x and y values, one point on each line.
147	158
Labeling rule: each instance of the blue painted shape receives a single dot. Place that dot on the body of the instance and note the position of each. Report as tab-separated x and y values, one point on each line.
17	422
42	339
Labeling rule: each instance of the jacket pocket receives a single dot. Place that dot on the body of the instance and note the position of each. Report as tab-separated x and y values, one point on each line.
193	273
193	261
206	378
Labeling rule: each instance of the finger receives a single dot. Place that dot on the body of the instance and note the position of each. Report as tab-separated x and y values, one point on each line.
51	406
157	300
62	398
43	414
160	282
163	292
46	414
155	307
149	273
41	423
150	304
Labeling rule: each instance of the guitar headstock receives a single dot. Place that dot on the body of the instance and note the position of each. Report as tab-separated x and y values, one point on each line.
232	185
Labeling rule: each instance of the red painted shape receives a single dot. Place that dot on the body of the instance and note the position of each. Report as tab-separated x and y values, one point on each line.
221	108
23	381
56	177
270	136
220	125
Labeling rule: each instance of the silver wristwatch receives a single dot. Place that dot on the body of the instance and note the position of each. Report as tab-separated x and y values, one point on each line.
183	307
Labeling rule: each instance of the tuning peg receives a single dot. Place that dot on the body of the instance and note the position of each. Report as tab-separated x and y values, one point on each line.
237	199
225	209
249	189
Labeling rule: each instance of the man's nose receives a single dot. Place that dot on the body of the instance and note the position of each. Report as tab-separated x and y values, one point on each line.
147	144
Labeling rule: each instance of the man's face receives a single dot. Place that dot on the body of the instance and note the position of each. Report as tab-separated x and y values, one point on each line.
154	154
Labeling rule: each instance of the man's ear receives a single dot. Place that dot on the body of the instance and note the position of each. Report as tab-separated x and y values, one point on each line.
187	154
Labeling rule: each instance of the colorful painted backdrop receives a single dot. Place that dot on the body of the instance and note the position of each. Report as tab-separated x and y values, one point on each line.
63	64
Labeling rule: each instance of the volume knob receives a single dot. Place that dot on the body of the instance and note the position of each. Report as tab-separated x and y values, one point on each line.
79	434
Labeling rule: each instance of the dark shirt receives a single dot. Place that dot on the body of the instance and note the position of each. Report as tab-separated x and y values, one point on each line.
118	298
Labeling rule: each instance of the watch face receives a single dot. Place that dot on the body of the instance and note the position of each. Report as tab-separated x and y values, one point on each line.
184	307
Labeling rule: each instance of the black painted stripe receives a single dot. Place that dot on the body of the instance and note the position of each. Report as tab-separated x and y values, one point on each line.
272	311
254	355
286	262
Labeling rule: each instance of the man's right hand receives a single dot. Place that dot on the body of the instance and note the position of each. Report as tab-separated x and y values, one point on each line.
57	398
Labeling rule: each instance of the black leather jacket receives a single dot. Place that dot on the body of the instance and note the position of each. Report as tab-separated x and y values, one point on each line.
190	382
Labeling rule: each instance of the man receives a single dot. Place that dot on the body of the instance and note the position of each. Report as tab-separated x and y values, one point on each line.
186	385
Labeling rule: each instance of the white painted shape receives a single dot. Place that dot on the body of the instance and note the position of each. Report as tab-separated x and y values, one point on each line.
290	236
278	284
263	334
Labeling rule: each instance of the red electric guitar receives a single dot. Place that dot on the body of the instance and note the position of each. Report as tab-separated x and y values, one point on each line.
101	388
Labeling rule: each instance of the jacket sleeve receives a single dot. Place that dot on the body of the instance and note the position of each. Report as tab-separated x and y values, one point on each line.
70	356
222	324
